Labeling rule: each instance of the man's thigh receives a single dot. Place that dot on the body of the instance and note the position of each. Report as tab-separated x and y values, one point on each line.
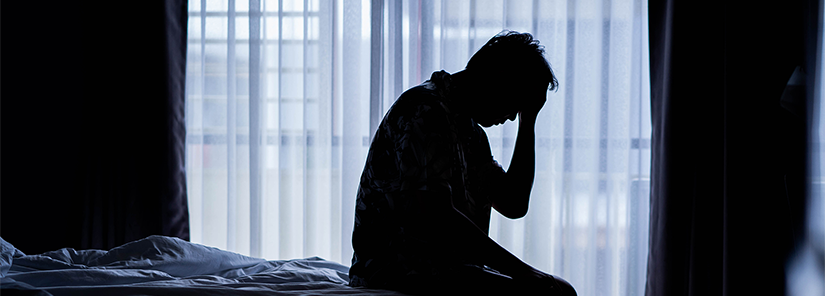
475	280
456	280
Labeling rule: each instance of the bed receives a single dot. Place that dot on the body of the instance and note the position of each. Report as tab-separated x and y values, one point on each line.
159	265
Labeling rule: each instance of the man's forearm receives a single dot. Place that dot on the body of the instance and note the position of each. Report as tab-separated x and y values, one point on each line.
456	237
513	196
475	246
522	170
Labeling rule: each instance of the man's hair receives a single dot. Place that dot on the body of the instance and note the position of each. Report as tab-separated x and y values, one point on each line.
513	53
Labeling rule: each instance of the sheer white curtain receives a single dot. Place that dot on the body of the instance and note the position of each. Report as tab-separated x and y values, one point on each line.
283	96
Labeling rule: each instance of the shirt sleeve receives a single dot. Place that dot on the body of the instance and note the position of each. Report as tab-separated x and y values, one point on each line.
483	165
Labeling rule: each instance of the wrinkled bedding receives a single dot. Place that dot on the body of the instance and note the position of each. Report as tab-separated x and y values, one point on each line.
159	265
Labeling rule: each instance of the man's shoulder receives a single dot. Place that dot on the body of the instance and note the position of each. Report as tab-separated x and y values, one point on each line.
422	94
421	101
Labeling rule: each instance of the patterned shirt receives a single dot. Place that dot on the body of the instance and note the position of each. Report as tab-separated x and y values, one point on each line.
420	146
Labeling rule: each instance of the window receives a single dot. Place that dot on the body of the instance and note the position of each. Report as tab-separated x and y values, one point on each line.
283	97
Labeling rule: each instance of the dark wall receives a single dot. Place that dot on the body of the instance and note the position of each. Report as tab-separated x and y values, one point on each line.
84	125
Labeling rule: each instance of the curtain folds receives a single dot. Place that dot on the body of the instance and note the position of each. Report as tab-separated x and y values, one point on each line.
282	98
687	171
175	208
728	192
133	176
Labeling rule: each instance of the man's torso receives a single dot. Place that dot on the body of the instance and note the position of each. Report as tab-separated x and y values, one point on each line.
399	162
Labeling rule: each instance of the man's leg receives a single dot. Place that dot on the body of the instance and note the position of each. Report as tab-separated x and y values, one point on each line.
474	280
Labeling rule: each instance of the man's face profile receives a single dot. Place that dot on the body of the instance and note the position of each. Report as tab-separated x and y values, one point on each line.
502	102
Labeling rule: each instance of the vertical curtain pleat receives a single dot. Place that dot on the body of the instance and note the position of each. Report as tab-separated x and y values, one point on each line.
256	134
300	96
131	180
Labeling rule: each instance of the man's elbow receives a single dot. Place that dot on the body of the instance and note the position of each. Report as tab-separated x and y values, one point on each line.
518	214
512	212
514	205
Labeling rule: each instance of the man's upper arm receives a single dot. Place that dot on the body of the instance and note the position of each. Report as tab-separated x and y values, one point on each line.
494	181
490	173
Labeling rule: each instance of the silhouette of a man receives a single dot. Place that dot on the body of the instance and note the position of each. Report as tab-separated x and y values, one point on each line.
423	209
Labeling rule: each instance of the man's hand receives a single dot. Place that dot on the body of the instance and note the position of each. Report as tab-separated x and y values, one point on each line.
531	110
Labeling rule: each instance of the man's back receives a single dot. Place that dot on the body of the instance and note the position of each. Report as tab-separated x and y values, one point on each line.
423	146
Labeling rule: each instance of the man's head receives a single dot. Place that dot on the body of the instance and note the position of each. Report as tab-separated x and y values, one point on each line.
509	74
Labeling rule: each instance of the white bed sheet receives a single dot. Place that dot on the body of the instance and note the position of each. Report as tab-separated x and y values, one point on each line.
159	265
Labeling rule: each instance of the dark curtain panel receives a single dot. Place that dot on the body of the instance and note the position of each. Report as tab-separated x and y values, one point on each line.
728	163
135	183
92	123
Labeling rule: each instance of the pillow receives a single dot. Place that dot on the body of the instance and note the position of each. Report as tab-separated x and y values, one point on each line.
7	253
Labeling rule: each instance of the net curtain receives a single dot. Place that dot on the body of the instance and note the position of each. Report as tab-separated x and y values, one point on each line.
282	98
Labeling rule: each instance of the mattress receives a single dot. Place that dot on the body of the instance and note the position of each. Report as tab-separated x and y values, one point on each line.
159	265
